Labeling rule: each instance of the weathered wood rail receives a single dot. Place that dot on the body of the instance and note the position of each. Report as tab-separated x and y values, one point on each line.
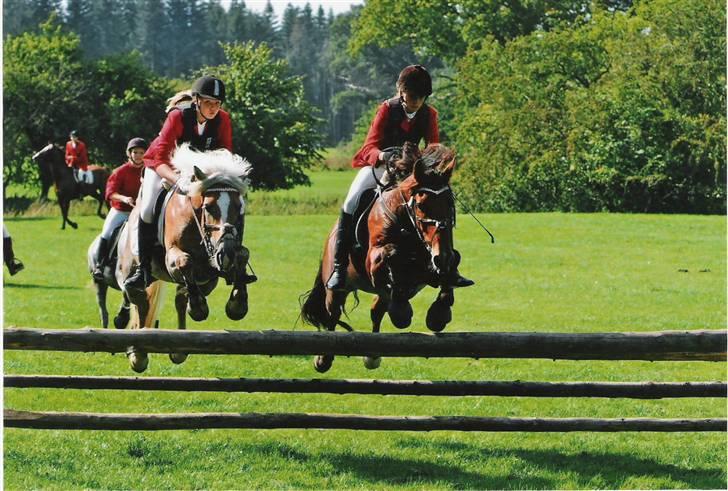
704	345
635	390
153	422
708	345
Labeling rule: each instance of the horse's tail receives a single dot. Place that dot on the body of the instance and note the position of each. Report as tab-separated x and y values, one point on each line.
313	303
155	296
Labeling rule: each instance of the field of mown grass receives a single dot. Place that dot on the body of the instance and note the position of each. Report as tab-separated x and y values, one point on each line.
546	272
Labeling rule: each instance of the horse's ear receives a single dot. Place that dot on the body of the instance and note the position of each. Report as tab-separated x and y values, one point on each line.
419	171
199	175
446	172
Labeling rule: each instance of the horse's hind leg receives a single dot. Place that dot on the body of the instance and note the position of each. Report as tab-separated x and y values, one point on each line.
100	199
440	312
180	304
101	289
335	306
65	204
138	358
379	308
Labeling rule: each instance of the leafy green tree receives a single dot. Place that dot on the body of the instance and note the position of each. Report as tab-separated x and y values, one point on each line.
604	115
273	125
43	94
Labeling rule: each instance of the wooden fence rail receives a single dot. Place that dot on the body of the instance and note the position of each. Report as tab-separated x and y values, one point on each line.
148	422
667	345
706	345
635	390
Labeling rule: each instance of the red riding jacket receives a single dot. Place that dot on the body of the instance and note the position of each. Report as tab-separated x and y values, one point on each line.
178	128
76	157
391	128
125	180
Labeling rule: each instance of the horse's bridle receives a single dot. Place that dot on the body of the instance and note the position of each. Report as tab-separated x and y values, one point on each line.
204	228
411	206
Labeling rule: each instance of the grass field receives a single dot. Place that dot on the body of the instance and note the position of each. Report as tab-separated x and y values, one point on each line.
546	272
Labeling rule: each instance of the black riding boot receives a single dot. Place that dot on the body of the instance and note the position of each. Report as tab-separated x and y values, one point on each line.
455	279
14	265
341	253
100	259
142	277
243	277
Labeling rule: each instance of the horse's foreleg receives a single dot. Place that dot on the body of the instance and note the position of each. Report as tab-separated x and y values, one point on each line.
179	261
440	312
385	275
378	309
180	304
122	317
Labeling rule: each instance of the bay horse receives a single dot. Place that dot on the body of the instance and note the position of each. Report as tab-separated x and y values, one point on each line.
51	162
409	246
199	245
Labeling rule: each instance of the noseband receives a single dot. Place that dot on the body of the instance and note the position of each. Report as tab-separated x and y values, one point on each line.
411	206
206	229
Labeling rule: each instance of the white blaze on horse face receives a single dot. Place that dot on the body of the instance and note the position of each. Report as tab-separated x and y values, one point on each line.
223	202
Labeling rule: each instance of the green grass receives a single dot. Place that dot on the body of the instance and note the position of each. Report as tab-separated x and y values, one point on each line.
546	272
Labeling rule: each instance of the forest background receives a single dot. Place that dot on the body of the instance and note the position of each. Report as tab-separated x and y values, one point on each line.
561	105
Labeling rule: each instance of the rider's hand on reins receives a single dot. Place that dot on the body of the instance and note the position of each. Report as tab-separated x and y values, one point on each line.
183	184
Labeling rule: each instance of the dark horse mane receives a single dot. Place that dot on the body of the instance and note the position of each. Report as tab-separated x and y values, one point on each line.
435	158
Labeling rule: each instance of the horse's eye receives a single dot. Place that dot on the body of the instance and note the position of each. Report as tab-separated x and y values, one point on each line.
212	210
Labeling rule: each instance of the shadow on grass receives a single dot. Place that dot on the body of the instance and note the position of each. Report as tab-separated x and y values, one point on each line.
515	468
609	469
29	286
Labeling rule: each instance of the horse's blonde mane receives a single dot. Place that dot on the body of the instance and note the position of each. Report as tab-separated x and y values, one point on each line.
221	167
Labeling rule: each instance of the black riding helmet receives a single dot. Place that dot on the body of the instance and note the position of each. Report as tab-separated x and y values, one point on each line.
415	78
136	143
209	87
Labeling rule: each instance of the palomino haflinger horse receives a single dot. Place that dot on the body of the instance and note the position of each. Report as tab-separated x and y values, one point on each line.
198	244
53	169
404	244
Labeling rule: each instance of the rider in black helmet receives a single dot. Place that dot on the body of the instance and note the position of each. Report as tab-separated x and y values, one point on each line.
122	189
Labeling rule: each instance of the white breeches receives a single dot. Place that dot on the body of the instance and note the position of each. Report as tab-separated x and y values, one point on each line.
6	234
113	220
151	188
364	180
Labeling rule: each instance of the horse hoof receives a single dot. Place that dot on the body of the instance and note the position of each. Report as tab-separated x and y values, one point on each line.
198	312
322	364
178	358
400	314
138	360
438	317
74	226
372	362
236	312
121	320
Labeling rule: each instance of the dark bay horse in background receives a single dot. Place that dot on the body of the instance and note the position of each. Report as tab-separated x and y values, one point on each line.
200	244
409	246
53	169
